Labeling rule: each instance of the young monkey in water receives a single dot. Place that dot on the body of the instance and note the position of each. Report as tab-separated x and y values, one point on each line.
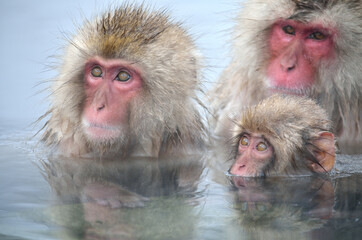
283	135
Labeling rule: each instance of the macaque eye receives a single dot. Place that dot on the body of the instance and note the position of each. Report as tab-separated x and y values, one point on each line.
244	141
261	147
317	36
123	76
96	72
289	30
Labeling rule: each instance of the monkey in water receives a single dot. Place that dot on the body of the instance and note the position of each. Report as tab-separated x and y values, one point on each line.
297	47
283	135
126	86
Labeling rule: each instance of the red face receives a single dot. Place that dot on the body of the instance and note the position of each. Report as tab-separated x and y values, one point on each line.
254	153
110	85
296	51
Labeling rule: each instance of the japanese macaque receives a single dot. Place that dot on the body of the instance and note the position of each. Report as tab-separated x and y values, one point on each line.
283	135
298	47
126	86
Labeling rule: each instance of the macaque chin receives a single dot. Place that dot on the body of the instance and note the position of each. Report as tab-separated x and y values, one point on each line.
283	135
296	47
127	86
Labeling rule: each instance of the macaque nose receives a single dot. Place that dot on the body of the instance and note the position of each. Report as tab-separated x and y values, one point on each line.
289	58
288	62
237	169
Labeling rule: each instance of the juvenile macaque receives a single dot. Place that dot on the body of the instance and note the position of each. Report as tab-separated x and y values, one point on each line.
297	47
126	86
282	136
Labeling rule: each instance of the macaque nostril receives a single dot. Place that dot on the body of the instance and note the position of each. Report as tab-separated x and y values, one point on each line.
241	166
239	169
101	107
290	68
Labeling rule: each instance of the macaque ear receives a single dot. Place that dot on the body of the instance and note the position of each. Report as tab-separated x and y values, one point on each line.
324	152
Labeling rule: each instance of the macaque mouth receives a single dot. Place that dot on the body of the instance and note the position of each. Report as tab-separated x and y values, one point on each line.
100	131
104	127
231	175
287	91
250	175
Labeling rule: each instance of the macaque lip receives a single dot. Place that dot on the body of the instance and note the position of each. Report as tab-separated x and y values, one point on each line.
286	91
245	173
230	174
100	131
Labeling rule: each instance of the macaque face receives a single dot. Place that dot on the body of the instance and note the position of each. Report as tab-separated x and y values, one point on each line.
110	85
296	51
254	154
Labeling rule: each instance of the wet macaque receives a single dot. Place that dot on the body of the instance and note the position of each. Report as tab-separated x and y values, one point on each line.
126	86
296	47
283	135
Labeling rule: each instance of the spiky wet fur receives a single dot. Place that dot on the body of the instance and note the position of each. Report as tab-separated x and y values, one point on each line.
164	117
338	87
289	124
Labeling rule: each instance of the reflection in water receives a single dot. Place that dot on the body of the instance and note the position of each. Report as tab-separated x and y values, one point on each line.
347	217
316	199
292	207
298	208
169	199
139	198
278	207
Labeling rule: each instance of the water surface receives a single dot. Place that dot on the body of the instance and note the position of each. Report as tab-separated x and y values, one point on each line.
142	198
